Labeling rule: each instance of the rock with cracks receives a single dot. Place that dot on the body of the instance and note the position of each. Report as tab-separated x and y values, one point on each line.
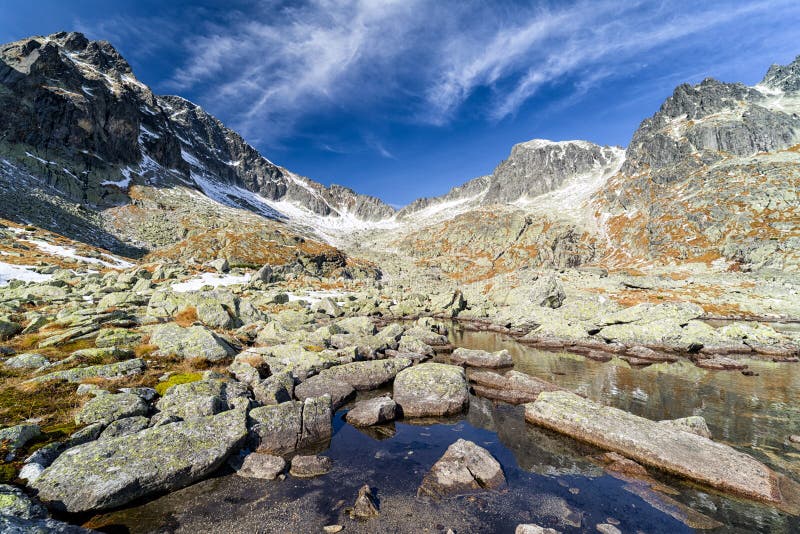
110	473
431	390
663	446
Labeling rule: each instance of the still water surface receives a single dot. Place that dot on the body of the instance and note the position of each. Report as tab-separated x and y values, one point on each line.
552	480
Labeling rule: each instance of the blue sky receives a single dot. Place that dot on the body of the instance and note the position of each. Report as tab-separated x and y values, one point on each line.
407	98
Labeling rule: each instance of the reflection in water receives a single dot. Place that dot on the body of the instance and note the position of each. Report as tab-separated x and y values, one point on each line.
552	480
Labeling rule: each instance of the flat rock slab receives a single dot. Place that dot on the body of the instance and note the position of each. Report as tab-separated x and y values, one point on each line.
481	358
431	390
364	376
662	446
258	465
110	473
324	384
465	467
721	363
513	387
372	412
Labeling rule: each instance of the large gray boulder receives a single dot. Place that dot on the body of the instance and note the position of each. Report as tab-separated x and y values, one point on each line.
17	436
110	473
110	371
201	398
26	361
431	390
664	447
548	292
325	384
289	426
364	376
465	467
192	342
107	408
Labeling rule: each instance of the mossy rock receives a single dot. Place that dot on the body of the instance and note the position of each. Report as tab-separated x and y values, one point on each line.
174	380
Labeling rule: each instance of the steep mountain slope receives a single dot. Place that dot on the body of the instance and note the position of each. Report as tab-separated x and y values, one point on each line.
713	175
79	133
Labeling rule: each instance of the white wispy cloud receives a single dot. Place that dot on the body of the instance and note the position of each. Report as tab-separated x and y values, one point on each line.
268	69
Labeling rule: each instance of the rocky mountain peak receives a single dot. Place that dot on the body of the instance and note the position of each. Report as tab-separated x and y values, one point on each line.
783	77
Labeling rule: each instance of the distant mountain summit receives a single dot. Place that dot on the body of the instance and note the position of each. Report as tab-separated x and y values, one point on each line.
89	151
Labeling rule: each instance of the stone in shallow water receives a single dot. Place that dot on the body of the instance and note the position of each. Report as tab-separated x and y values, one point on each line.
464	467
364	507
678	452
431	390
258	465
110	473
694	424
534	529
310	466
293	425
513	387
372	412
481	358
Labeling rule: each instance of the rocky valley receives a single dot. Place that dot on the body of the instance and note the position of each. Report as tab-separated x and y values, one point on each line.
591	338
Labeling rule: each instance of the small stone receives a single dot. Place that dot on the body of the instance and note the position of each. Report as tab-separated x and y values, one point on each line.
606	528
332	529
364	508
310	466
258	465
794	438
530	528
464	467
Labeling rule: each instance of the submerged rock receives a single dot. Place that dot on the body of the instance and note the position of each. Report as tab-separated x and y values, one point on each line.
648	442
110	473
310	466
464	467
431	390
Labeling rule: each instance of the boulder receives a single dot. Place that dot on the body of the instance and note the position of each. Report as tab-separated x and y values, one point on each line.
9	329
201	398
26	361
14	503
123	427
289	426
465	467
513	387
258	465
110	473
110	371
16	437
220	265
548	292
264	274
431	390
108	408
329	307
274	389
117	337
191	342
481	358
662	446
372	412
694	424
364	376
325	384
310	466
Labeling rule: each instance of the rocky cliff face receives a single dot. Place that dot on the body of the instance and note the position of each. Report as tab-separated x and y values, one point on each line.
73	113
712	176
